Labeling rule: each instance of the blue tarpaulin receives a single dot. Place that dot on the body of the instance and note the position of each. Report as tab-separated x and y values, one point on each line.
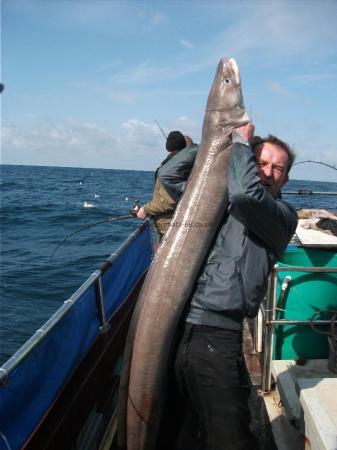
35	382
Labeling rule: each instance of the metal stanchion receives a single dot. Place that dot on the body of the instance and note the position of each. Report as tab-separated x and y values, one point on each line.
269	332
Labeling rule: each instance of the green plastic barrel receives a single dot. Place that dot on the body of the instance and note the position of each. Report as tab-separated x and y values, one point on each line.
307	293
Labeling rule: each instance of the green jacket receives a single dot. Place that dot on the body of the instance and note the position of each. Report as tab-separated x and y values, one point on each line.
161	207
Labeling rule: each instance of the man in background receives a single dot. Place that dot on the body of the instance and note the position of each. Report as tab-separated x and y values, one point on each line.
170	179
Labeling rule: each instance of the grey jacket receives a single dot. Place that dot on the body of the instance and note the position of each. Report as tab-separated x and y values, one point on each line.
254	233
174	174
171	178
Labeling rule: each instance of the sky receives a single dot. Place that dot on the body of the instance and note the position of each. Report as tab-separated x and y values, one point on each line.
85	81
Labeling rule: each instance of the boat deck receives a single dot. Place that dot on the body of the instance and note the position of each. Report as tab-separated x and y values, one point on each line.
303	407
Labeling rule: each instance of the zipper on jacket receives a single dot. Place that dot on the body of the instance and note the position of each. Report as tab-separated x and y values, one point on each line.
245	232
242	288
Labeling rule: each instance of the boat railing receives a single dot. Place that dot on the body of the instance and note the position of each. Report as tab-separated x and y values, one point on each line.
266	321
33	382
94	279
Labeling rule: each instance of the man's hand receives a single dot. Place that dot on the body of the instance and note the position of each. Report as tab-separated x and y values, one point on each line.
141	214
246	131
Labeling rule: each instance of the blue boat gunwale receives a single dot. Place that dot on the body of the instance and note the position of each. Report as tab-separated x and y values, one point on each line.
39	335
64	420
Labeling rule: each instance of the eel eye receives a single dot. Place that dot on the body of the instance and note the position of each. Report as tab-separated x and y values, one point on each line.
227	80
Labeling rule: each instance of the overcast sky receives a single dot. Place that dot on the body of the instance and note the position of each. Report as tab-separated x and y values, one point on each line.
85	80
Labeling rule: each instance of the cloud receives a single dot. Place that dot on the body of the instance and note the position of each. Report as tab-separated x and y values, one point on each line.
284	92
313	77
286	30
145	73
270	34
188	126
277	88
140	136
108	66
185	43
47	137
135	145
151	20
265	34
107	91
306	148
329	154
131	96
158	19
149	73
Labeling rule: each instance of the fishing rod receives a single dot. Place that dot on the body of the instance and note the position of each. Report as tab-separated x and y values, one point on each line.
112	219
316	162
160	128
132	213
308	191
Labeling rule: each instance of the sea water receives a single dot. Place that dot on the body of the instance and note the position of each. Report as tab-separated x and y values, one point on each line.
40	206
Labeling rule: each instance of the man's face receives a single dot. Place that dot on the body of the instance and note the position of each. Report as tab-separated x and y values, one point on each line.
271	162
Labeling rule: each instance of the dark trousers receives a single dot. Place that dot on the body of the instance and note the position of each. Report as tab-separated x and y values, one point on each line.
213	388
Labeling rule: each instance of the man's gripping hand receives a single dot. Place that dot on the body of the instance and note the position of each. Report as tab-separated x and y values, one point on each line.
246	131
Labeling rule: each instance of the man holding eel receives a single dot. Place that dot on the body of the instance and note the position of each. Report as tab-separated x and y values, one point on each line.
209	365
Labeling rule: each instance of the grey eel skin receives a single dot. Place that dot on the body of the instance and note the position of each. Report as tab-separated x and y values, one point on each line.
175	267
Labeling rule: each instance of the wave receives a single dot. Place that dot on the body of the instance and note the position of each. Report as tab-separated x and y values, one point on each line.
9	184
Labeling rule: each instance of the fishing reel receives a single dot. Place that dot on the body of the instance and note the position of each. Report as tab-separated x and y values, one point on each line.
135	208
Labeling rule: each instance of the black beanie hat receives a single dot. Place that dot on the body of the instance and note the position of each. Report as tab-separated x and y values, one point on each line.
175	141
